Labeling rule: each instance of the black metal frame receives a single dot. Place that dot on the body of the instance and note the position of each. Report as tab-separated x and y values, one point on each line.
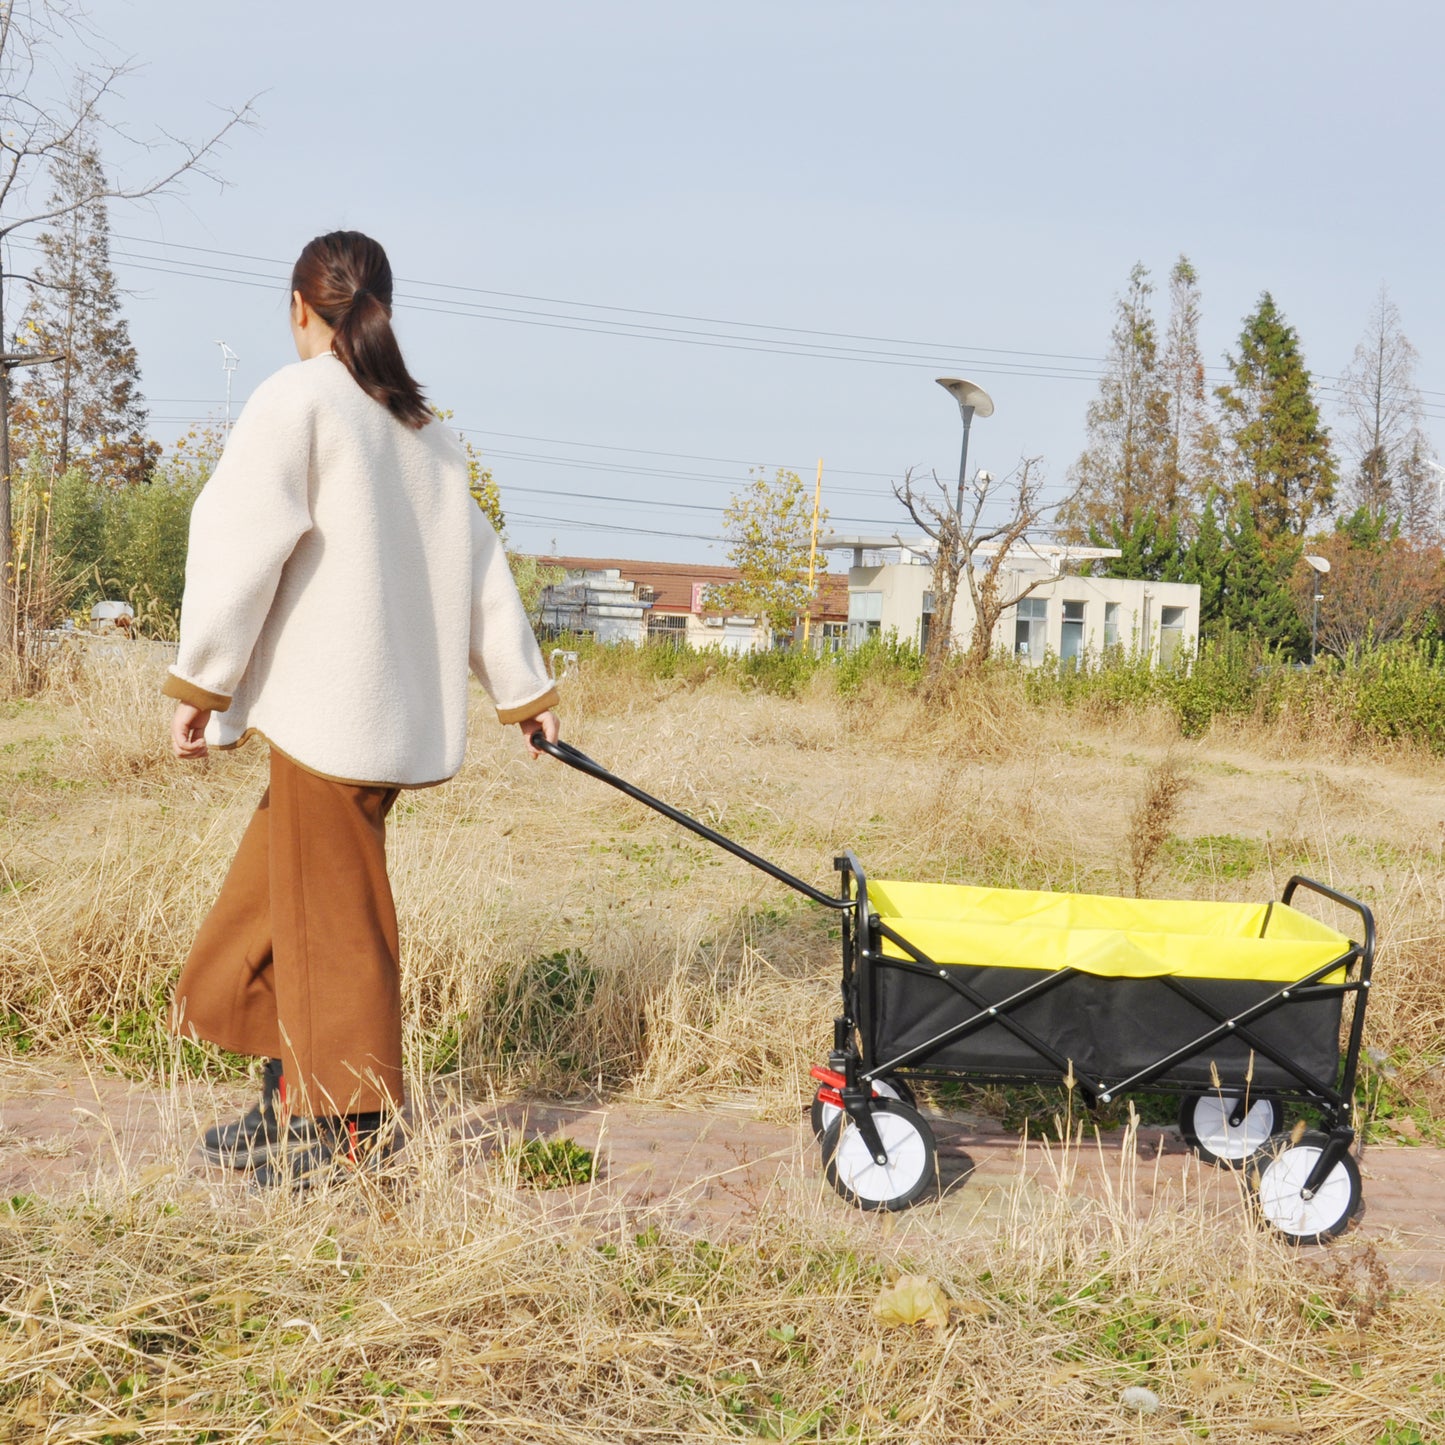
854	1054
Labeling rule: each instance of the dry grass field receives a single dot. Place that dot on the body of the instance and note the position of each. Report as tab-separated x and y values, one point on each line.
559	941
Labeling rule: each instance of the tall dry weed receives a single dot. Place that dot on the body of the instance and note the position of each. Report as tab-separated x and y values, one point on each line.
1153	820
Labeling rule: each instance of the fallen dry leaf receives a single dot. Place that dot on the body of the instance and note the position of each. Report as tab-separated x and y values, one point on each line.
913	1299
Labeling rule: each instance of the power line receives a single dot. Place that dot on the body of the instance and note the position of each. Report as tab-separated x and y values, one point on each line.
648	331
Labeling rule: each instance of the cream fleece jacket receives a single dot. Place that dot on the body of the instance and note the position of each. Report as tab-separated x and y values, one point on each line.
339	583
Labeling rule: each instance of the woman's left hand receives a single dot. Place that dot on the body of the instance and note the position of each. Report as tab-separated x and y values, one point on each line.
545	723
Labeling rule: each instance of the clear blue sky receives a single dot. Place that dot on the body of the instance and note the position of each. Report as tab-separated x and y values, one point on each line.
974	178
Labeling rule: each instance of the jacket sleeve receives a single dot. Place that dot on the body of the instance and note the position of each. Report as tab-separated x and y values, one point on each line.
245	524
504	654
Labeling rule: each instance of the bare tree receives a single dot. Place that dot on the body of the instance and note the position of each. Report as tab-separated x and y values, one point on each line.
1191	460
1383	421
50	103
973	541
1124	468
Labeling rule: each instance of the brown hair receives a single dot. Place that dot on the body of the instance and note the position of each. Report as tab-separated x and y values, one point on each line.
345	278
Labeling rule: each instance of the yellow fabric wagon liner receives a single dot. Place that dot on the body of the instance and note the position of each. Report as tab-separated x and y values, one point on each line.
1111	937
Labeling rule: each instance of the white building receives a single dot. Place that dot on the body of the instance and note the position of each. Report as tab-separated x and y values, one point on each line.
890	590
620	600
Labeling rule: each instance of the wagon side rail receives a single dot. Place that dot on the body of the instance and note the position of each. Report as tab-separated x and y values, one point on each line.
574	758
1359	986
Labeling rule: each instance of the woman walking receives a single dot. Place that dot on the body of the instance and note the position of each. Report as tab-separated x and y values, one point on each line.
340	583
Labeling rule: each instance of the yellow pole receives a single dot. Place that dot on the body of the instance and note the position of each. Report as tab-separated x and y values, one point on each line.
813	552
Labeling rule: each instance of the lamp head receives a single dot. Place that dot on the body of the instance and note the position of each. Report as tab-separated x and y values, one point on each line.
972	399
1320	564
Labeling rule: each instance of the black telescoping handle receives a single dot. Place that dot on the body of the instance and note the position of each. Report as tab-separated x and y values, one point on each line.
1367	918
566	753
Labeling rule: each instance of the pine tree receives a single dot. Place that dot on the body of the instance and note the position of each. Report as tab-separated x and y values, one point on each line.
1255	597
86	410
1149	550
1192	445
1279	448
1121	470
1384	440
1205	563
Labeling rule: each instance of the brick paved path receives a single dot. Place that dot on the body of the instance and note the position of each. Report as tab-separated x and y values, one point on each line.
706	1167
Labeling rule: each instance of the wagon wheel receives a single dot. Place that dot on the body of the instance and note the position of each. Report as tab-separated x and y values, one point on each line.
1279	1181
1208	1123
890	1086
912	1160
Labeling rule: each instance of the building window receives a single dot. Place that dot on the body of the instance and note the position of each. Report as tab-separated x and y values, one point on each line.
865	616
1111	625
668	628
1031	627
834	636
1071	635
1171	634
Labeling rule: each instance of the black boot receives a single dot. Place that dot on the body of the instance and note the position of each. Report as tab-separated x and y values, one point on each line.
337	1148
249	1141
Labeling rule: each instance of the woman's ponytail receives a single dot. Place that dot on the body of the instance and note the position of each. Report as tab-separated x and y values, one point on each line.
345	278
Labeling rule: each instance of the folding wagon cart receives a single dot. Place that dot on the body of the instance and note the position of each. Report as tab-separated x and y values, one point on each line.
1236	1007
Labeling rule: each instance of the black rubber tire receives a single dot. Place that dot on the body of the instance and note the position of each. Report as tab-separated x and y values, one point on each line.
912	1167
820	1115
1207	1134
1277	1174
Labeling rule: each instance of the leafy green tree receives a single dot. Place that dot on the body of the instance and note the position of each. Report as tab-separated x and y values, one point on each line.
485	492
1278	447
532	577
1382	587
769	525
1122	469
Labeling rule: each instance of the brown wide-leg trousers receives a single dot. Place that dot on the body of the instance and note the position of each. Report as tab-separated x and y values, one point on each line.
299	958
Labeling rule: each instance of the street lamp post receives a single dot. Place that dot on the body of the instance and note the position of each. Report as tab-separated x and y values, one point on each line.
229	362
1319	566
972	401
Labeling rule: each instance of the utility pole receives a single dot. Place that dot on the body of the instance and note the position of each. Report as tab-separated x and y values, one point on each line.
229	362
813	553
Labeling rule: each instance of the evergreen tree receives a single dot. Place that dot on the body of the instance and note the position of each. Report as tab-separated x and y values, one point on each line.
1191	456
1279	449
1150	549
1383	436
1255	597
86	410
1121	471
1204	563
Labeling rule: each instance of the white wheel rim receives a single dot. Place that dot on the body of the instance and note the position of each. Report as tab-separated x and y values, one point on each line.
861	1175
881	1088
1280	1197
1232	1141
